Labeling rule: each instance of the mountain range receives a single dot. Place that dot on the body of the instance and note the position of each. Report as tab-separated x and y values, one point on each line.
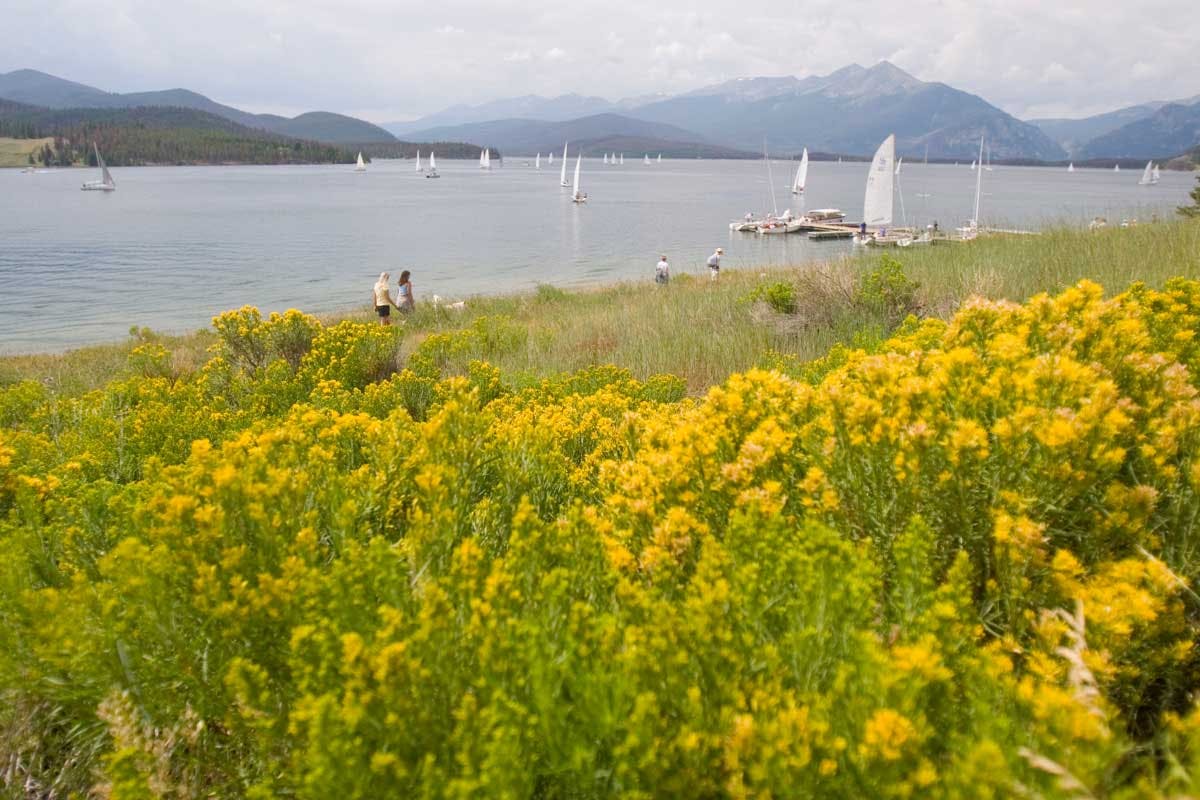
1103	135
848	111
47	91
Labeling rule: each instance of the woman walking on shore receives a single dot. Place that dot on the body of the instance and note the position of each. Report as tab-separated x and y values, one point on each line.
405	302
383	298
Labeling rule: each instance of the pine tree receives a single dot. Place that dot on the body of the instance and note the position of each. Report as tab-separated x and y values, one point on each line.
1194	209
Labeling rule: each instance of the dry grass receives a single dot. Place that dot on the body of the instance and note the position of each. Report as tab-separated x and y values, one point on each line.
15	152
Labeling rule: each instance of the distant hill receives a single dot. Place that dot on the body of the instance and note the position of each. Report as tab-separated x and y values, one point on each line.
851	111
596	134
40	89
1074	134
156	135
551	109
1170	130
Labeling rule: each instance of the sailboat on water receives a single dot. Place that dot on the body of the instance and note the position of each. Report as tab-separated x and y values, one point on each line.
606	158
537	161
432	173
562	176
1148	175
1071	167
971	229
801	174
418	168
879	199
550	158
622	162
646	159
660	158
576	195
1154	174
361	165
106	182
485	159
1116	167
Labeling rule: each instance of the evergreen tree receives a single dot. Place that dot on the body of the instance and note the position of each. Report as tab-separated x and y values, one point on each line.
1194	209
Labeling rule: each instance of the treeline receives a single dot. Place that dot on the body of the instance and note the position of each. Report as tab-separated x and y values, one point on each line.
409	149
154	135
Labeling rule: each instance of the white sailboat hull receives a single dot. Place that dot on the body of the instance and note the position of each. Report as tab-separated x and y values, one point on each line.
98	186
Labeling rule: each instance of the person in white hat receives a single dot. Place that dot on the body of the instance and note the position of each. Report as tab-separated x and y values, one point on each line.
714	263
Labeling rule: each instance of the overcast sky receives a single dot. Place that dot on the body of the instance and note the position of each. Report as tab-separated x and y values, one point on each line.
395	60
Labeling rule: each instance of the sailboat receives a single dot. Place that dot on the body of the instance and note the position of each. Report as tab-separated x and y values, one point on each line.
878	198
899	163
1154	176
971	229
576	195
361	165
1147	175
622	159
537	161
973	163
550	158
801	174
562	176
646	159
485	159
660	158
988	166
1071	167
606	158
419	162
106	182
433	173
1116	167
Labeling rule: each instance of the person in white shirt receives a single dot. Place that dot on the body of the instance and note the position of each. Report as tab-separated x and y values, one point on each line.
662	272
383	299
714	263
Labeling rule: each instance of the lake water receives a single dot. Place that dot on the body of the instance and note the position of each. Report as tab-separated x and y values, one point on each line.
175	245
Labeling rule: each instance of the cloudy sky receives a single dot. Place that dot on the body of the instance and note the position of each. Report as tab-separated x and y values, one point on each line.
397	60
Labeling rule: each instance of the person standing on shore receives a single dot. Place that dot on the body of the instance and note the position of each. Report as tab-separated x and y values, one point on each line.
405	302
662	272
383	298
714	263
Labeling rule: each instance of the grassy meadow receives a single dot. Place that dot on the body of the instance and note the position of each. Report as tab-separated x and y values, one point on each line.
15	152
922	524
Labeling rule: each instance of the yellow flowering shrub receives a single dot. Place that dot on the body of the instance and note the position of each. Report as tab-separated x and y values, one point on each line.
960	564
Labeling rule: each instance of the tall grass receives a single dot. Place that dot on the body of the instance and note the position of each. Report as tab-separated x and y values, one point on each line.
703	330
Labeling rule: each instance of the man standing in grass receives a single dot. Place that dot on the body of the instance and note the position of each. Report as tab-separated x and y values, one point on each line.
662	272
714	263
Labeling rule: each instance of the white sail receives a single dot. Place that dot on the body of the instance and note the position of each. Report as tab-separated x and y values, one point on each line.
361	165
978	187
432	161
1153	177
106	182
606	158
1116	167
107	179
622	158
575	183
537	162
972	163
899	163
801	174
660	158
562	177
1147	174
1071	167
418	161
550	159
487	158
646	159
877	202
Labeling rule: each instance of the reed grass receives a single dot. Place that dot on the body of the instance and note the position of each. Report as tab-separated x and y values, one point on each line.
704	330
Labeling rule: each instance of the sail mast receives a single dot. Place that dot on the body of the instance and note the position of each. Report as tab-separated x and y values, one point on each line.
978	183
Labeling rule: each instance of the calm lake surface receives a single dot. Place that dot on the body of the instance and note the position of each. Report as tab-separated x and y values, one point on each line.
175	245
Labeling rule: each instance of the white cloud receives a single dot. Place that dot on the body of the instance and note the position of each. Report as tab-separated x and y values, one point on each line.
1023	55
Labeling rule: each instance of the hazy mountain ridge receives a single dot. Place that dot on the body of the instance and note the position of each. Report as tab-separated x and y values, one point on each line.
1075	134
598	132
48	91
1169	131
847	111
